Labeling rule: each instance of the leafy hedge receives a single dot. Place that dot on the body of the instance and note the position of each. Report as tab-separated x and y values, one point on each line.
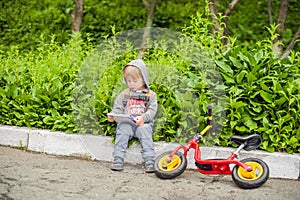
23	23
36	20
57	88
264	97
36	88
176	76
263	91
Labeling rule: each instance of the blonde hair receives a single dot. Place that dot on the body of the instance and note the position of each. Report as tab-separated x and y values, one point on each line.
133	72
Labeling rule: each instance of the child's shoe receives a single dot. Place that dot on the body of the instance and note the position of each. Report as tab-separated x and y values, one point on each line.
117	164
149	166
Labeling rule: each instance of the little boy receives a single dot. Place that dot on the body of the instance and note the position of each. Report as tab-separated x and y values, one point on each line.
141	102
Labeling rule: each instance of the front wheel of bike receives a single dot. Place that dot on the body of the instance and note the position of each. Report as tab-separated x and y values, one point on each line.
172	169
253	179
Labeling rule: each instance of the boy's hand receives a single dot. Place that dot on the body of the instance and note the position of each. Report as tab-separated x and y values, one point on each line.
139	121
110	118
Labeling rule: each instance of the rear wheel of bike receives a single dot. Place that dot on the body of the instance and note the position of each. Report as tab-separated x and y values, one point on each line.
168	170
253	179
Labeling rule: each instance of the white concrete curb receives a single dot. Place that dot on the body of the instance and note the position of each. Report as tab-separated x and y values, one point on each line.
282	165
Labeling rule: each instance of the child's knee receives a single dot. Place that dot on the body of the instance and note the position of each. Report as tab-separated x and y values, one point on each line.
124	130
145	129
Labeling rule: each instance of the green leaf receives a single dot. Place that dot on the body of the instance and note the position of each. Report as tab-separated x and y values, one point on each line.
237	104
55	104
235	62
45	98
265	87
266	122
241	76
280	101
276	86
225	68
18	115
251	124
48	120
261	116
259	55
251	77
266	96
261	129
244	57
265	144
233	124
298	134
2	92
293	140
228	79
13	91
257	109
270	149
241	129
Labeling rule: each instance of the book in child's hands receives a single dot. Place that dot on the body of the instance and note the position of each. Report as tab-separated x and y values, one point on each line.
123	118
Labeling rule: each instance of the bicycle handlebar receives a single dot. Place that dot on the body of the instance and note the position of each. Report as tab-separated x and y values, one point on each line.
209	124
209	108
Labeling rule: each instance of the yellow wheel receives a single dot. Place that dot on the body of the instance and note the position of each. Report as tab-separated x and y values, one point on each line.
165	166
257	171
172	169
253	179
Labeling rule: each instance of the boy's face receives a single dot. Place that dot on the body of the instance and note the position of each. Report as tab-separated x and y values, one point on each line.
135	83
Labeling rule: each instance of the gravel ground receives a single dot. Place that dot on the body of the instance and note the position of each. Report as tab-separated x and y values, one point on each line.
28	175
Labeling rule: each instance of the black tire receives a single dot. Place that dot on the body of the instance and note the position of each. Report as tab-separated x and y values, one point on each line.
168	171
254	179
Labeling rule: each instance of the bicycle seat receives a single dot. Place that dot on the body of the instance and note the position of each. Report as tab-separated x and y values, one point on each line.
251	142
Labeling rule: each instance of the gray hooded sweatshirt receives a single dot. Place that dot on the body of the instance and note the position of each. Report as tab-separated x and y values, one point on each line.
135	102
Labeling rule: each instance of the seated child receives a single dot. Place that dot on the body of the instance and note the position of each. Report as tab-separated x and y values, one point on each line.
140	102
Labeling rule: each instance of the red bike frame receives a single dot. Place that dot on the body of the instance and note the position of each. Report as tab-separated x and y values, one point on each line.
213	166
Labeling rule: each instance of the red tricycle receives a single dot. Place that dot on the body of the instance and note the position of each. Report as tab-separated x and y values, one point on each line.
248	173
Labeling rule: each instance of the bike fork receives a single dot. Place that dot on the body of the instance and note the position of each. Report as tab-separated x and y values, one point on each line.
185	149
235	155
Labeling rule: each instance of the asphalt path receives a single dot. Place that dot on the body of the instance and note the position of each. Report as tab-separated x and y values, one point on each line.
28	175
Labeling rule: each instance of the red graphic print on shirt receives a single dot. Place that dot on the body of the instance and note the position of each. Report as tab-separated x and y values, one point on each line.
135	106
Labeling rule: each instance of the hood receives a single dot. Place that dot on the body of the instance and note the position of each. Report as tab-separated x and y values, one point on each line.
143	69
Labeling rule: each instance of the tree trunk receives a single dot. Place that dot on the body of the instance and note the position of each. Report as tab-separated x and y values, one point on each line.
277	43
147	30
225	40
213	8
270	11
77	15
292	44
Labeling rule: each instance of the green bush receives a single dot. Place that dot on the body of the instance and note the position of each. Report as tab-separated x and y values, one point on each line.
24	24
175	76
264	96
71	88
263	91
36	88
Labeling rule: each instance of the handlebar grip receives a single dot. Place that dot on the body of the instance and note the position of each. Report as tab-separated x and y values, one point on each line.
210	107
